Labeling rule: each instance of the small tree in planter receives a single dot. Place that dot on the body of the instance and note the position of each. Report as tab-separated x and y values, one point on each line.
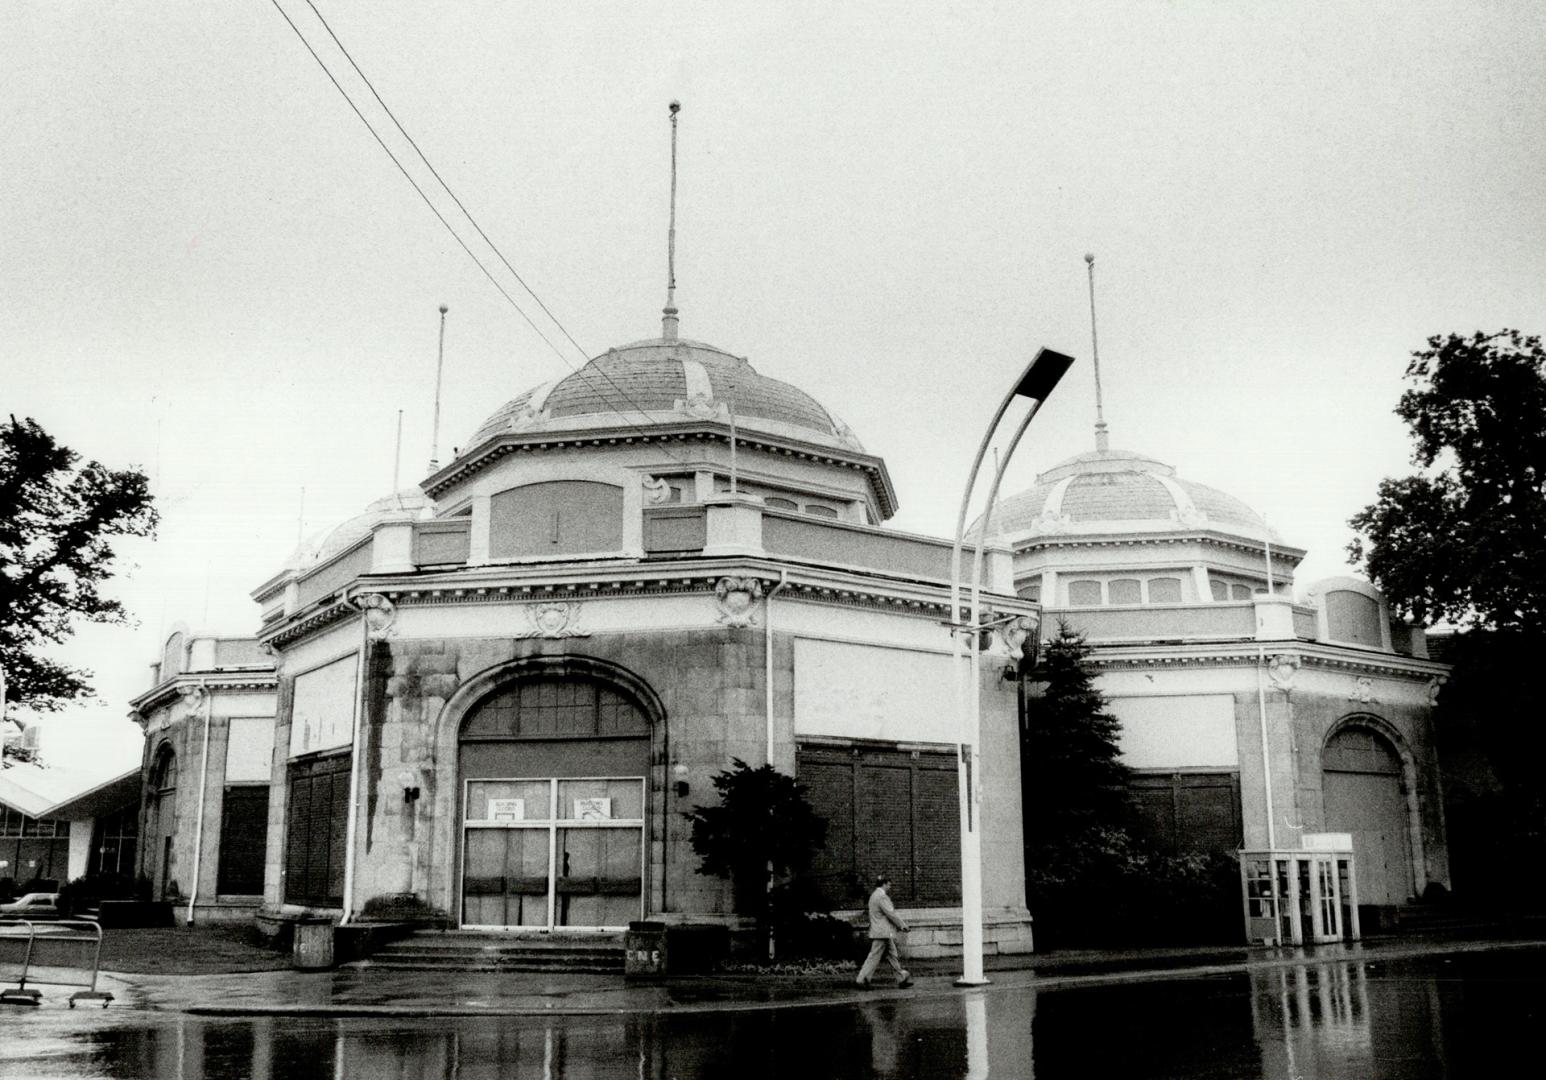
762	826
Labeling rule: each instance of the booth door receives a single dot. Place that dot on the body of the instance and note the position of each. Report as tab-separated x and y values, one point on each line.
553	806
1363	795
553	853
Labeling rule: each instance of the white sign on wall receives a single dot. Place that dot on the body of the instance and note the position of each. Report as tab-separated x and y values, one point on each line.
870	692
593	809
249	749
1186	731
507	810
322	715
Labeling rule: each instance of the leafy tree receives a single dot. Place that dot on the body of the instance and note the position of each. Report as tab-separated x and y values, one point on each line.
762	823
57	517
1490	745
1464	540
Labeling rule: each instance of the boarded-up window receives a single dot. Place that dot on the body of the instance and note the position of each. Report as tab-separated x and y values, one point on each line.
322	716
1219	589
315	831
555	708
243	840
889	812
1179	812
560	517
249	749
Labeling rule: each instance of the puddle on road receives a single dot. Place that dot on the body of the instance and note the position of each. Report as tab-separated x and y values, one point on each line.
1464	1015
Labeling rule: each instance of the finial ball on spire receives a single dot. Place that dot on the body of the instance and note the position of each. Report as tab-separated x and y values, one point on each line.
444	309
1089	257
676	107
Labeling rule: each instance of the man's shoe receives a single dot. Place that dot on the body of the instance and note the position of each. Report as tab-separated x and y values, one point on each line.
862	984
904	982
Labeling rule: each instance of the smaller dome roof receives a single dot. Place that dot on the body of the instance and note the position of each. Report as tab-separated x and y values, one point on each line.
409	504
667	380
1118	491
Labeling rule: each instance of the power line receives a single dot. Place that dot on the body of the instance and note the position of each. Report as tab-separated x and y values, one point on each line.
466	213
441	180
406	175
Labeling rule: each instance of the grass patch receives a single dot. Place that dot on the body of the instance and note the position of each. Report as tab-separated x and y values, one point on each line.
188	950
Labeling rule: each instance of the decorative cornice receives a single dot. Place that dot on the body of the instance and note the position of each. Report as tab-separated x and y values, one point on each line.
817	584
191	685
1024	545
308	624
1302	655
515	442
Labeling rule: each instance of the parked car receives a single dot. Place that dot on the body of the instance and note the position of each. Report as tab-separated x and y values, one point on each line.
34	905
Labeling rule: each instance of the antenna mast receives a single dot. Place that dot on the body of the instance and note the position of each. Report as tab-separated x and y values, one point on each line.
668	323
397	458
440	364
1102	441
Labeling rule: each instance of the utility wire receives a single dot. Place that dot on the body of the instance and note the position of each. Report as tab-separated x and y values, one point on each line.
408	176
433	209
441	180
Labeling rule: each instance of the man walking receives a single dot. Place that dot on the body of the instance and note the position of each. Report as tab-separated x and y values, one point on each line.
884	923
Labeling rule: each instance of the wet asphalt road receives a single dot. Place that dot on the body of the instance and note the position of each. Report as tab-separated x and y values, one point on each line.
1464	1015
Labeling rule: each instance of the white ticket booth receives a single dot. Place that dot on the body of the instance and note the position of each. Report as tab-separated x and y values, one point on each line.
1301	896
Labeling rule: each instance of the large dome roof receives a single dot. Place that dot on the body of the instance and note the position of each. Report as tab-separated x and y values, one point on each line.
667	380
1117	491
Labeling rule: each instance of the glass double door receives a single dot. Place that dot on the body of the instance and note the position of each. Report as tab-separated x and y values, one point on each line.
553	853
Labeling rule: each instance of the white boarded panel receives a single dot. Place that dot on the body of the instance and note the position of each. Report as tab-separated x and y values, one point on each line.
249	750
1190	731
322	717
870	692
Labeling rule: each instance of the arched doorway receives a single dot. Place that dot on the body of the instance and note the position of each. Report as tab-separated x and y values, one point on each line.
553	768
161	819
1364	793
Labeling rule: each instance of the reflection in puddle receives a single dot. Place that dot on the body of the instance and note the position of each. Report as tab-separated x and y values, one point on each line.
1462	1016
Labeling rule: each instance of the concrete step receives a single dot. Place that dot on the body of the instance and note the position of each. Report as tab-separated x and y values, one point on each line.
473	951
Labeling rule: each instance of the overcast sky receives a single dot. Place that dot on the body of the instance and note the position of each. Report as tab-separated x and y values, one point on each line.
209	268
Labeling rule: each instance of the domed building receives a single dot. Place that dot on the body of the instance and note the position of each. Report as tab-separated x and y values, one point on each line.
1253	715
499	696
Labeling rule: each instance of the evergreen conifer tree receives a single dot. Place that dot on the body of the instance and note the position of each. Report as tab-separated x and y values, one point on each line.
1077	807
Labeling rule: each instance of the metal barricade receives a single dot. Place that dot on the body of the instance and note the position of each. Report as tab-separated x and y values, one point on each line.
50	954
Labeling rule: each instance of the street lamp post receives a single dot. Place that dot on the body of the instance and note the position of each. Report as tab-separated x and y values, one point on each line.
1036	384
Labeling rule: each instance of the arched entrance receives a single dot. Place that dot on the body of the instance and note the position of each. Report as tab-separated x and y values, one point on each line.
161	820
553	767
1363	790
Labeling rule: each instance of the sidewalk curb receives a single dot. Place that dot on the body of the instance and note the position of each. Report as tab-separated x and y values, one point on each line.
931	987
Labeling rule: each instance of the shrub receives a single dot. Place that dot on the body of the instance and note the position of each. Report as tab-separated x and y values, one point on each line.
84	892
762	825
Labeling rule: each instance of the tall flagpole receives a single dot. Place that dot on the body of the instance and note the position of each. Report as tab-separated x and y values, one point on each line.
1102	441
668	322
440	365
